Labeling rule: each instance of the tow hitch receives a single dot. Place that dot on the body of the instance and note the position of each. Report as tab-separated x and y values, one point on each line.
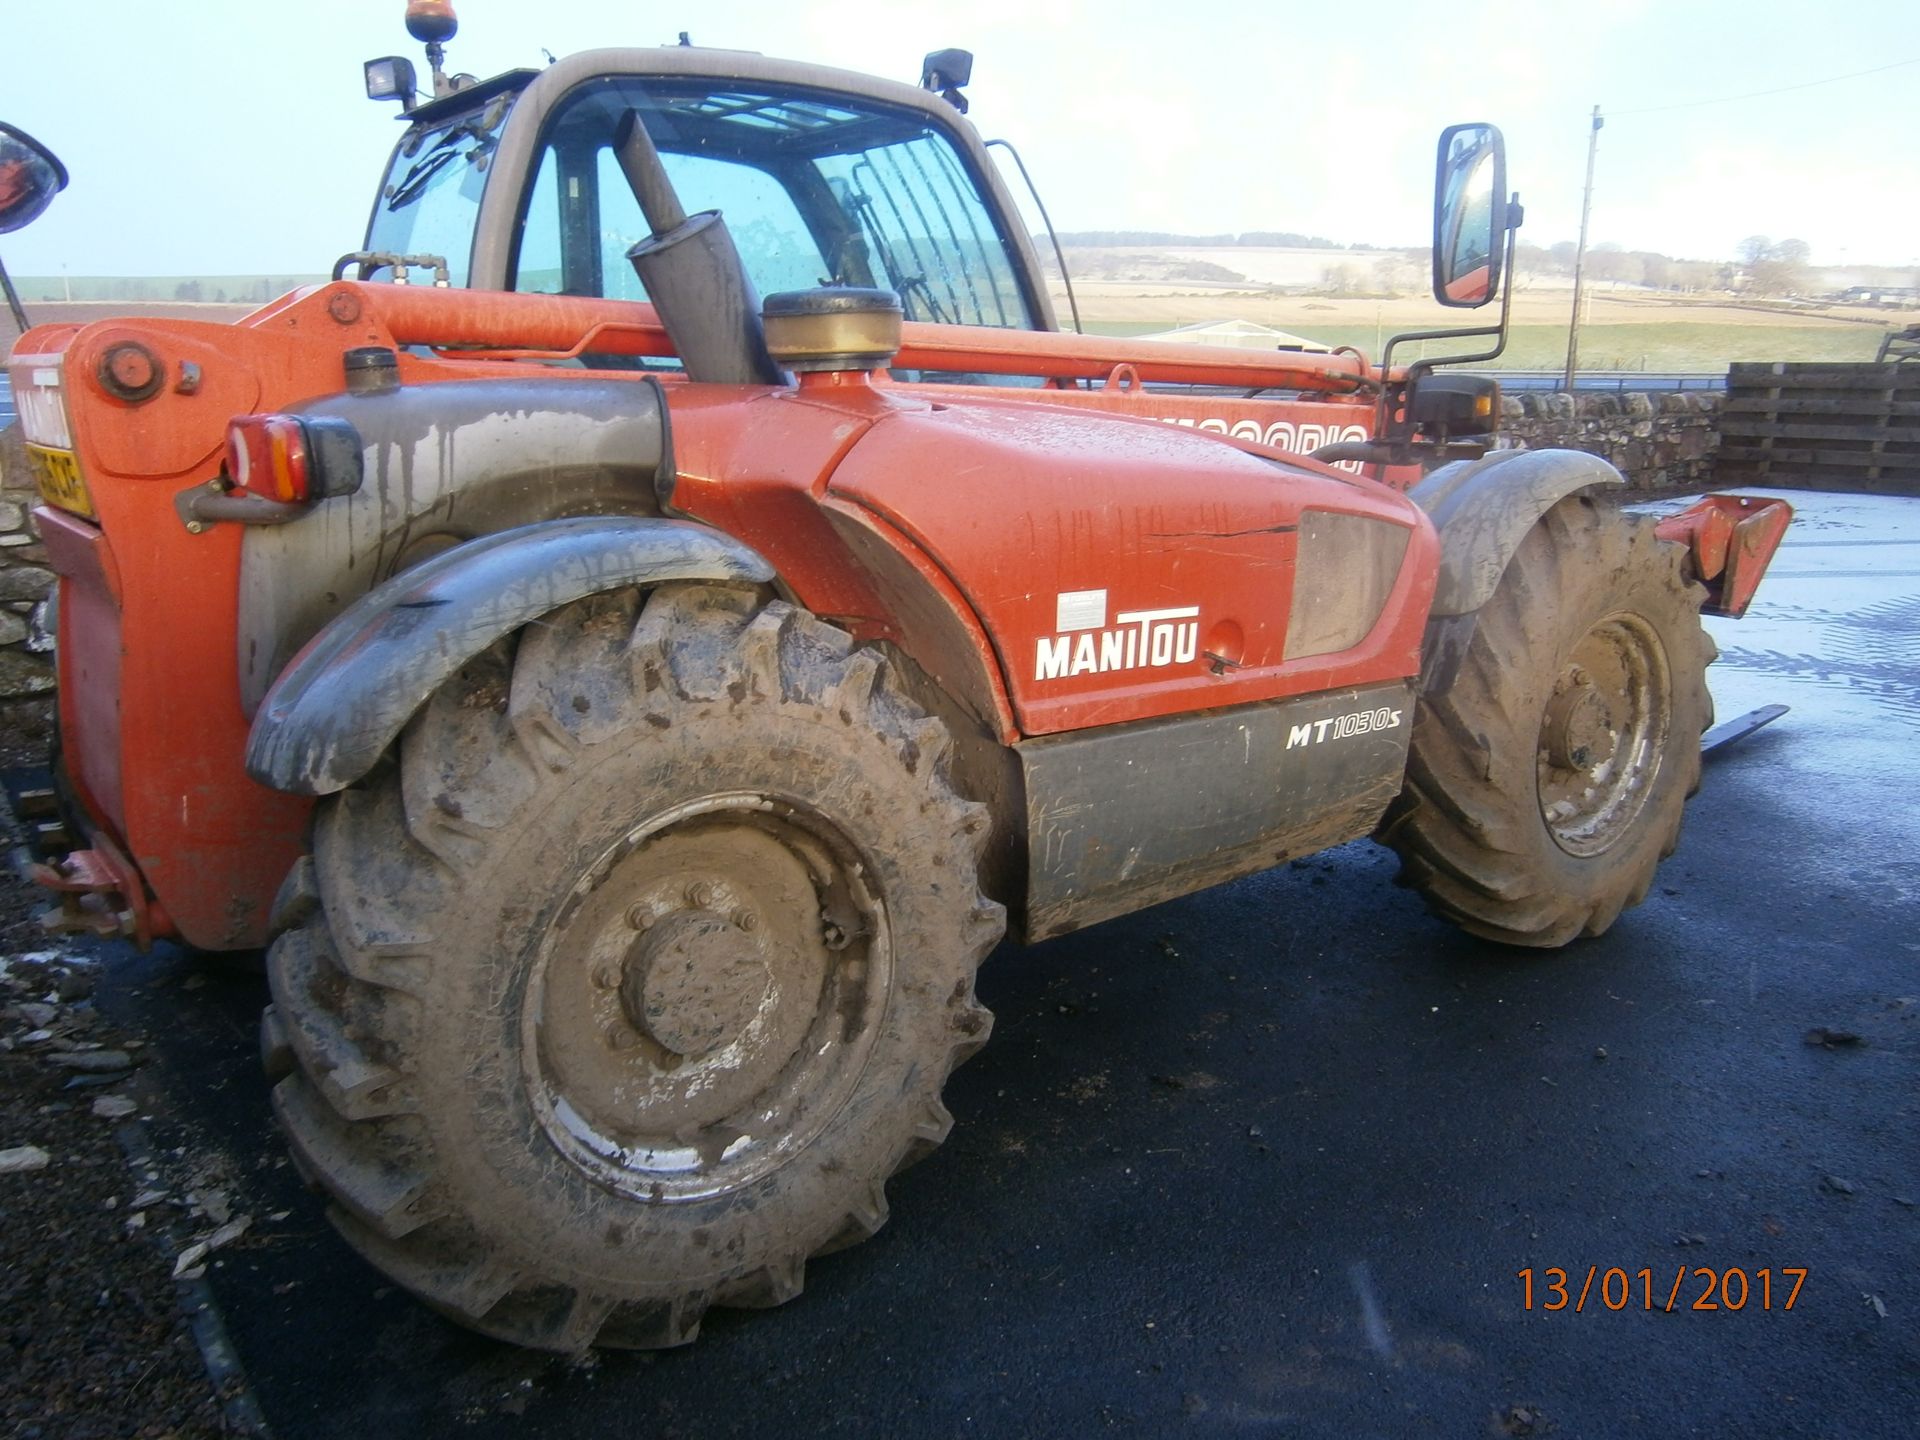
92	898
94	884
1732	539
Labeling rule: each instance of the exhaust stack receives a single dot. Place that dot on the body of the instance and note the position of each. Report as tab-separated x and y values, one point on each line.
693	275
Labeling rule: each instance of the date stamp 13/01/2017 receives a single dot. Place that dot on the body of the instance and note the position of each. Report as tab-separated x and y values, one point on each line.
1697	1287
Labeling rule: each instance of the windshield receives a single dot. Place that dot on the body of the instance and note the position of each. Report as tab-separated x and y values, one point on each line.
431	199
817	189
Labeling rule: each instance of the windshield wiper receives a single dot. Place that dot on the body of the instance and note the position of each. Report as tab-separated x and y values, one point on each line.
421	175
866	216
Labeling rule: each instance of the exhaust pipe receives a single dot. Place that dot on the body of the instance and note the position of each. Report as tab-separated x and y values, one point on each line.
693	275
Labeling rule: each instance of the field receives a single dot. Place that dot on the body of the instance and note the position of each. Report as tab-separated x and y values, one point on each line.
1623	330
1660	347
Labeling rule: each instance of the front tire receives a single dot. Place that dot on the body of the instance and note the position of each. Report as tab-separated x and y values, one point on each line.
623	993
1547	784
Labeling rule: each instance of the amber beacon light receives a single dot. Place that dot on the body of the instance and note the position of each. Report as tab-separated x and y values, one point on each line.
431	21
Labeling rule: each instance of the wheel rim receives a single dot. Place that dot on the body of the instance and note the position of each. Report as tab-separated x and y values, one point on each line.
1604	734
705	998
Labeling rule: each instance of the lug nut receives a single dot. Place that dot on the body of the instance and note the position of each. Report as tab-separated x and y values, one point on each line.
700	894
746	920
640	917
605	978
619	1038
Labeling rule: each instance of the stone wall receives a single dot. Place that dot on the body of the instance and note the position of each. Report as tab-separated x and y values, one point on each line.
26	649
1660	440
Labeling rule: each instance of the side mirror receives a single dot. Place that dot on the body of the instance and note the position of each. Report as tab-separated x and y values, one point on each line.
1469	215
30	177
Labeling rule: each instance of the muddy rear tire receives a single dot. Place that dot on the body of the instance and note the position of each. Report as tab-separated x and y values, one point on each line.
1547	784
625	989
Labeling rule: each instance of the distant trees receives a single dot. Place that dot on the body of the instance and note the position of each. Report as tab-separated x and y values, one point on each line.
1288	240
1614	264
1774	268
1343	280
1275	239
1695	275
1401	273
1762	266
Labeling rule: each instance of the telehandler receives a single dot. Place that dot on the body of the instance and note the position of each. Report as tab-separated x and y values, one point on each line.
630	710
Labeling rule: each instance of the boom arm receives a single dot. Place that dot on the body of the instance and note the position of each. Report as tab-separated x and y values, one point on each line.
494	325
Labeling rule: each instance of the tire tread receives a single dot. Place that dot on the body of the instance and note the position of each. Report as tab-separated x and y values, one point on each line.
1466	823
350	971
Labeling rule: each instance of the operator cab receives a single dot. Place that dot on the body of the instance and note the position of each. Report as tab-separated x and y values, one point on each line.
825	179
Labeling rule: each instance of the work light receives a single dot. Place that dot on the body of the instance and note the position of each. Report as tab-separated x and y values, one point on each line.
391	78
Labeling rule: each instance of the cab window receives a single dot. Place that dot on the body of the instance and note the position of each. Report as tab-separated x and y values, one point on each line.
815	189
430	200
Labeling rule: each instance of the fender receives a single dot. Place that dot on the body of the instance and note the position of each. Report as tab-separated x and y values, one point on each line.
1482	510
349	692
445	463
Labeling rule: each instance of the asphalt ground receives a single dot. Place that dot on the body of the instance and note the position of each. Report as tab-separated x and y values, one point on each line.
1274	1158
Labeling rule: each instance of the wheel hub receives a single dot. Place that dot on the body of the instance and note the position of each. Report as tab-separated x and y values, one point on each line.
1604	733
1580	730
705	998
694	981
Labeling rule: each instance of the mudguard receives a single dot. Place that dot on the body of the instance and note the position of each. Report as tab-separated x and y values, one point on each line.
445	463
1483	509
346	696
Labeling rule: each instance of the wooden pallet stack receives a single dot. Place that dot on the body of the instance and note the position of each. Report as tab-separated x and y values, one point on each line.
1845	427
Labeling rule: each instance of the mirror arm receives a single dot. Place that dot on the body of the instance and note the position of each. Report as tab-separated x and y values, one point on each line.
1498	328
13	301
1399	438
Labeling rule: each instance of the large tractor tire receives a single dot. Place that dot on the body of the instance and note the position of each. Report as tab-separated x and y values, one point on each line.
625	989
1546	785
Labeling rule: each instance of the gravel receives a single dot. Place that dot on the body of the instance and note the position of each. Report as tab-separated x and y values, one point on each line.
22	1158
95	1342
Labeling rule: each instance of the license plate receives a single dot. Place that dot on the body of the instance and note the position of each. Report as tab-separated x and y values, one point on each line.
60	483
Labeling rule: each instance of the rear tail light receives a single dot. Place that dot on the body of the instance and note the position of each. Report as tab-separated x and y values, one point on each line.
268	456
278	468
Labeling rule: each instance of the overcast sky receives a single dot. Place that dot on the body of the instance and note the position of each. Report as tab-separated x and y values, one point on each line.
227	137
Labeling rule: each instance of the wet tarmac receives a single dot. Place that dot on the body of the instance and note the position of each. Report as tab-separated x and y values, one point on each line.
1273	1159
